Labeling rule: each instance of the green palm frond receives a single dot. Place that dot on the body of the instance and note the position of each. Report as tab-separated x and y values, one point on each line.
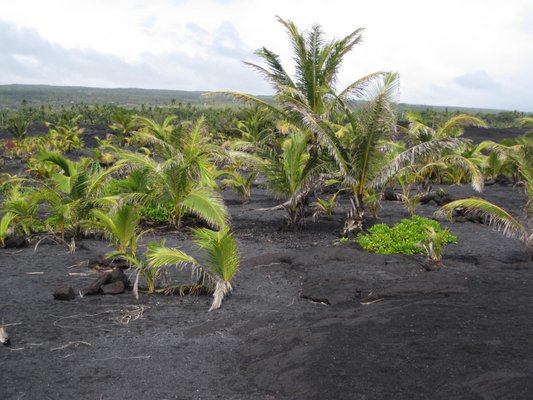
5	224
494	215
326	135
377	121
140	160
221	251
159	256
274	72
166	149
206	204
335	53
68	167
469	166
222	258
449	129
410	157
357	88
121	226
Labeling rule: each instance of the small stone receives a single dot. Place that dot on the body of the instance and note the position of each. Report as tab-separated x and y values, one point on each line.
64	293
116	287
16	242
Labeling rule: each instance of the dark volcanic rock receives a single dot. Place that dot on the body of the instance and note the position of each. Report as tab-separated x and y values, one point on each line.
116	287
16	242
64	293
108	282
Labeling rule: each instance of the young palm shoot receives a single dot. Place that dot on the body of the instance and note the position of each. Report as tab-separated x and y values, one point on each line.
121	226
241	184
433	245
220	264
291	174
5	227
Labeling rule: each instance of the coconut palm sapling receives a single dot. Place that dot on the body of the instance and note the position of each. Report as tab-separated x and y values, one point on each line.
219	265
182	175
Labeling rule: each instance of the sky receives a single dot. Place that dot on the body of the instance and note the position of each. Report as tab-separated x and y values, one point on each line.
469	53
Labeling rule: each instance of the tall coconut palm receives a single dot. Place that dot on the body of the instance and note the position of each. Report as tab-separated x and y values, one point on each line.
358	149
354	147
312	90
317	66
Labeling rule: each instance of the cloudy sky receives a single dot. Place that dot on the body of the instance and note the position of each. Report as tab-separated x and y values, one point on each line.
474	53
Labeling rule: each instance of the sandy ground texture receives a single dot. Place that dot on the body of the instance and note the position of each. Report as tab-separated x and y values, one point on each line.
307	319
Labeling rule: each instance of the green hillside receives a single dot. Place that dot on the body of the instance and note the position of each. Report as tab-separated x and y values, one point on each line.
14	96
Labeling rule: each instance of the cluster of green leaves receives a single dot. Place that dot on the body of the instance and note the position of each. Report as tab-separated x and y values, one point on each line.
156	213
402	238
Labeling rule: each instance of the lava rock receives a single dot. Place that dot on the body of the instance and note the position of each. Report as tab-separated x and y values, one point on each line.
16	242
64	293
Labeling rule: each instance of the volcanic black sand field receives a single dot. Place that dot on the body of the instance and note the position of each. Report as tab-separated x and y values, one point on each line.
306	320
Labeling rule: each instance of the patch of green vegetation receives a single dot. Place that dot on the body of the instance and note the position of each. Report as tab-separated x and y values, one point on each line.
402	238
156	212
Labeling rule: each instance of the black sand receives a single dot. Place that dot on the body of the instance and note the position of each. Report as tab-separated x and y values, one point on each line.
307	320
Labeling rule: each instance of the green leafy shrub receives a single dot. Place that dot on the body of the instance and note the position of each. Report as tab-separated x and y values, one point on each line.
402	238
158	213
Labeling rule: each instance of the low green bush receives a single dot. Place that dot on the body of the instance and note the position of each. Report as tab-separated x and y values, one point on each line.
402	238
158	213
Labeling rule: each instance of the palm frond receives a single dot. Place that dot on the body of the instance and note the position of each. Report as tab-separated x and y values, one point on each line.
325	134
161	143
494	215
5	223
448	129
139	160
106	222
221	251
335	53
358	87
68	167
159	256
208	205
469	166
410	157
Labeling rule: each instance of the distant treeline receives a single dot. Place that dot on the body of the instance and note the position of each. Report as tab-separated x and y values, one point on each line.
40	103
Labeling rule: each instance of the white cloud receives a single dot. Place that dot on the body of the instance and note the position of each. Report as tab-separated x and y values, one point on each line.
442	50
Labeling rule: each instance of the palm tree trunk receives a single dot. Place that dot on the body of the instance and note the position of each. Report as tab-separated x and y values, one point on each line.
434	265
355	219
